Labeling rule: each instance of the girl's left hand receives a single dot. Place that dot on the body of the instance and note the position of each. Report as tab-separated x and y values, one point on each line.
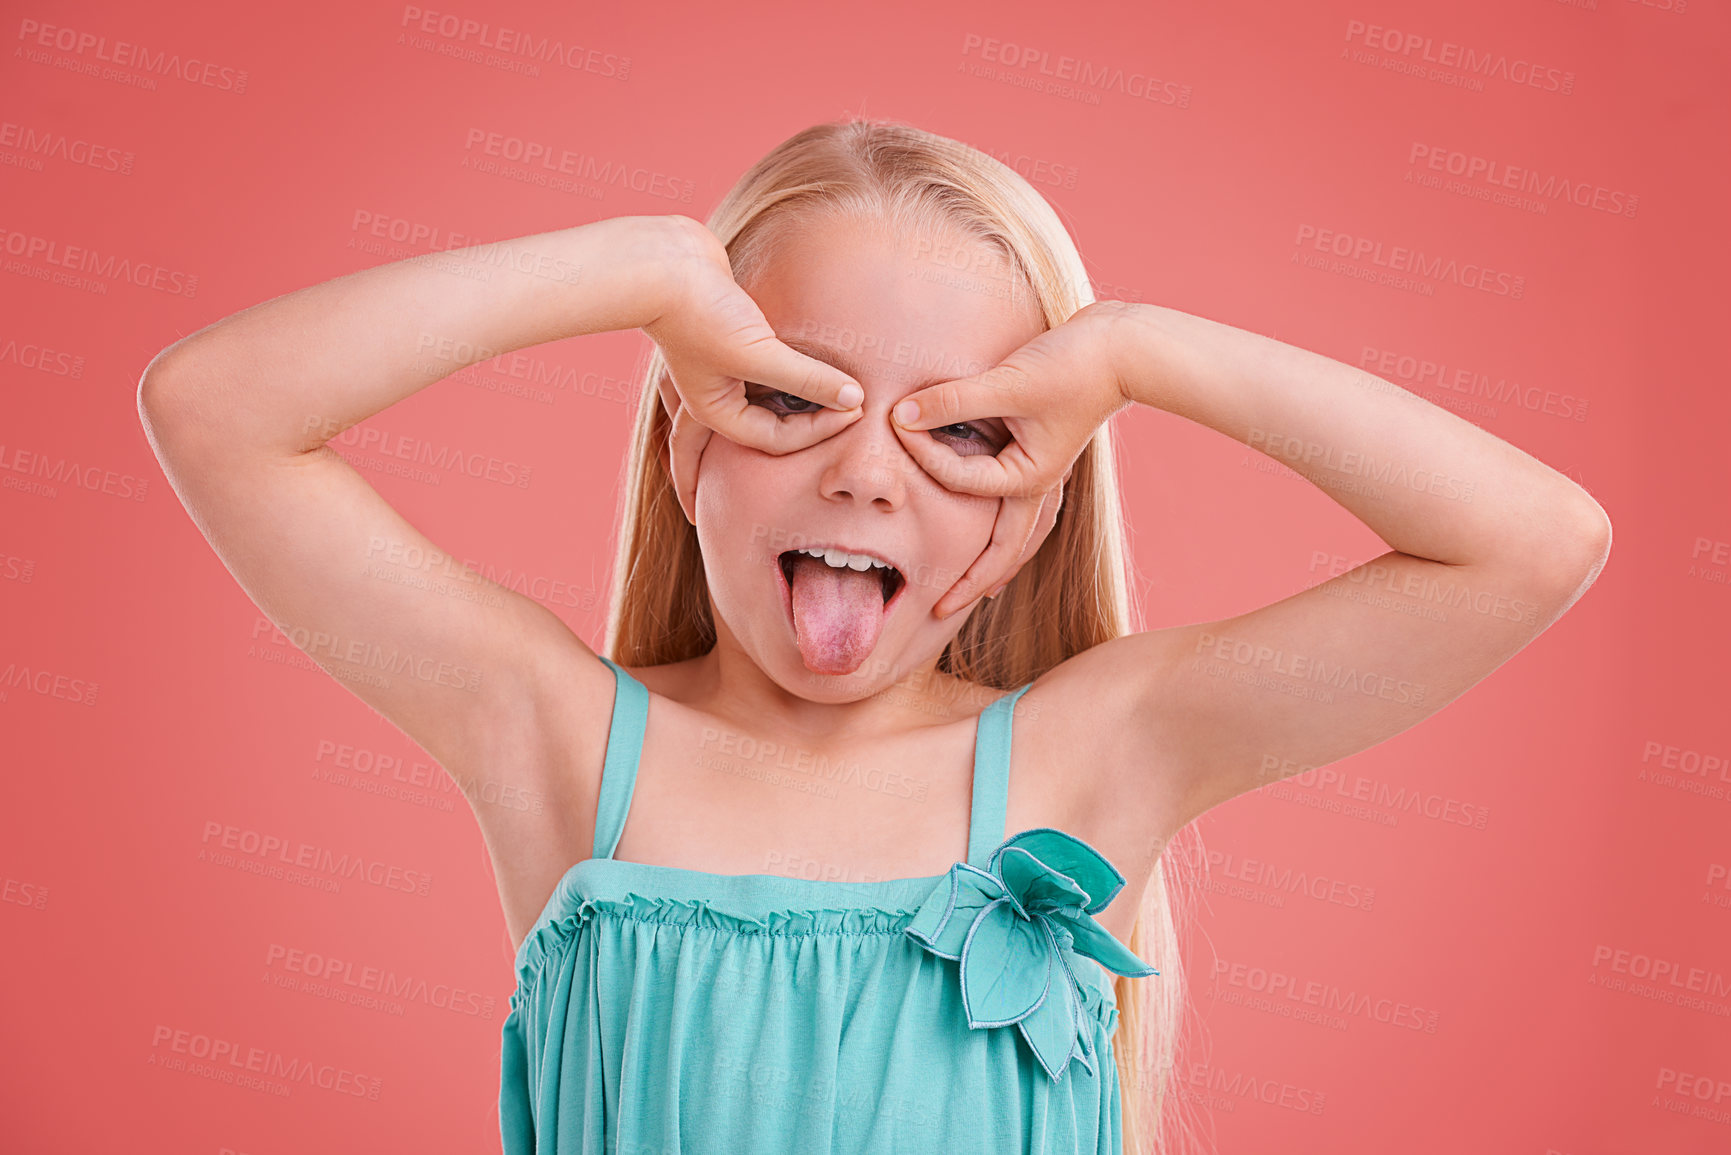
1052	394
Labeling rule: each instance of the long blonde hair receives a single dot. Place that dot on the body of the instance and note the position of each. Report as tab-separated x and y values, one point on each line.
1074	593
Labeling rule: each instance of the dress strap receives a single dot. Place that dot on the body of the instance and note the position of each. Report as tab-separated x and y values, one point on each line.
991	778
624	748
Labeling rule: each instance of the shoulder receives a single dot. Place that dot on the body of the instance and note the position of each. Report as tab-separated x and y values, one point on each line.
1077	703
574	697
1085	734
533	786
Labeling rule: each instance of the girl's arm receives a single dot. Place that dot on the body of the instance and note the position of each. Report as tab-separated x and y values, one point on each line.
239	413
1489	547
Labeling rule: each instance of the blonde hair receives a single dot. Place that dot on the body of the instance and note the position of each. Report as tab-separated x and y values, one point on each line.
1075	591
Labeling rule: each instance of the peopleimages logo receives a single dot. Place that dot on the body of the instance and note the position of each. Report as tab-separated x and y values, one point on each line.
746	749
463	31
1661	980
1438	379
1215	1086
1499	174
48	683
484	149
94	262
35	36
1281	989
45	143
429	455
1060	71
44	471
1276	881
346	980
28	355
226	845
1670	972
1256	656
1401	259
1334	784
1416	48
262	1068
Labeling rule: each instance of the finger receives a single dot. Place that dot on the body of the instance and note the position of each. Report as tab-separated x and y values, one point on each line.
1049	506
686	441
1010	532
774	365
1050	503
669	393
1017	518
721	404
1009	473
749	350
1048	516
1001	391
768	361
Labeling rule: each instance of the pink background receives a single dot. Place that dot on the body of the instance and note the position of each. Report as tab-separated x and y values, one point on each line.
144	697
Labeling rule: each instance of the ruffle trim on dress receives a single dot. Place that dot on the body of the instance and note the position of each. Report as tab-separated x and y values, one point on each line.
551	938
551	935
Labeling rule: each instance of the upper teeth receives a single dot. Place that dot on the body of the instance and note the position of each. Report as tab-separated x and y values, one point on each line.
841	557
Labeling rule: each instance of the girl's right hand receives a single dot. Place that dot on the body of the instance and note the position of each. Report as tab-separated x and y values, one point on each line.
715	340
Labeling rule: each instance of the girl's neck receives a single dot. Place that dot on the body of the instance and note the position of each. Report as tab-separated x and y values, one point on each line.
728	683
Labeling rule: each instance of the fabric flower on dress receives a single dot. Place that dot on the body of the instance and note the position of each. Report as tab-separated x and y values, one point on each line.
1015	928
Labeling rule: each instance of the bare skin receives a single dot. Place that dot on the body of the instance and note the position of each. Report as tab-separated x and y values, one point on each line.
1121	745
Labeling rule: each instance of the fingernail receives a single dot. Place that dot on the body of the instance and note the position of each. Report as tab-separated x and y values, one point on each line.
907	411
851	395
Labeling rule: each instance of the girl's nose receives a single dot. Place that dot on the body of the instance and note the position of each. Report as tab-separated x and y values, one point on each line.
867	462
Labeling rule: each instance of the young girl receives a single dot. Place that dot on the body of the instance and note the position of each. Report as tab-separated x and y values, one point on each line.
845	838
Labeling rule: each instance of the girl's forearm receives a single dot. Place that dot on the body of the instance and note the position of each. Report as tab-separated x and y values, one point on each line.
291	373
1427	482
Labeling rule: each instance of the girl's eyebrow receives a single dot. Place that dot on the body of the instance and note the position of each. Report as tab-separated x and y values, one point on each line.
838	359
828	354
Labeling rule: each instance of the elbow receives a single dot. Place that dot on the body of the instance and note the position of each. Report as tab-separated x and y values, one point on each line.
1594	534
1583	546
161	394
152	383
150	390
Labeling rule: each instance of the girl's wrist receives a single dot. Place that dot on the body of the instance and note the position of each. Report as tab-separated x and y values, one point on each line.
1159	355
646	257
1133	335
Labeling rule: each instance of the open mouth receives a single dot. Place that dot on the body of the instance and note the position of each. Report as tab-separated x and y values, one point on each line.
889	577
836	613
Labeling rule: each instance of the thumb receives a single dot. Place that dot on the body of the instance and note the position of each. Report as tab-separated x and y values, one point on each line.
998	392
786	369
1008	472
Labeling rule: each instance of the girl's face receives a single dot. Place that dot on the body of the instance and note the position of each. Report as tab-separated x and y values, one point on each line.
896	314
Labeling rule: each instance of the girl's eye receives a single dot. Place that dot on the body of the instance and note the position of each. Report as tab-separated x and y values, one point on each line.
787	401
964	437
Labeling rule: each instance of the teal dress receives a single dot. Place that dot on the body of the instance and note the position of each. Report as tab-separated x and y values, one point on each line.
661	1011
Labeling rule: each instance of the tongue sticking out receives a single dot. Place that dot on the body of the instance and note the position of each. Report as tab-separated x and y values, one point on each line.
837	614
